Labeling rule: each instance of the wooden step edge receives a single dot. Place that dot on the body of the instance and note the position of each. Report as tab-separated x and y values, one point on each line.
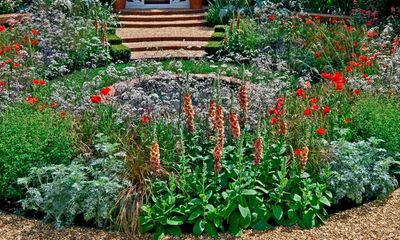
161	48
160	39
138	25
161	12
160	19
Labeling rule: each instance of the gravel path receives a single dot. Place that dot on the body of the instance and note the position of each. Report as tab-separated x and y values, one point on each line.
376	220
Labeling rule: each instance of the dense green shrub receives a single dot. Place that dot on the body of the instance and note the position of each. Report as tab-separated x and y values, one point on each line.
360	171
120	53
378	116
114	39
63	192
31	138
220	28
218	36
213	47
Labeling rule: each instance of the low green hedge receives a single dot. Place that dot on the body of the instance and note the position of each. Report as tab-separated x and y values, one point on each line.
114	40
217	36
111	30
120	53
213	47
220	28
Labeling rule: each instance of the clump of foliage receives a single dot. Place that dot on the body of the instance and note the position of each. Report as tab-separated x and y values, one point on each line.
64	192
378	116
360	171
220	11
31	137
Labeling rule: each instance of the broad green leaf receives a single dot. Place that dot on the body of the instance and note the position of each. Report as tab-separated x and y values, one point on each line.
325	201
234	228
244	211
277	211
199	226
249	192
195	214
296	198
174	222
211	230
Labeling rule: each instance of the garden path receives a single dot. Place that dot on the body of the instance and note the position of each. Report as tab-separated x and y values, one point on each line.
375	220
158	34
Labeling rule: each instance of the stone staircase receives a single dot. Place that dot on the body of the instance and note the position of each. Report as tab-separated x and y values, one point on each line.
159	34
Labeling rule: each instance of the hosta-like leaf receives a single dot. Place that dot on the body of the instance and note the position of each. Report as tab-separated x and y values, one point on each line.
195	215
244	211
277	211
199	227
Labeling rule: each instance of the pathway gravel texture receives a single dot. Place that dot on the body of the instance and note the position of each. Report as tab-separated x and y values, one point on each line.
375	220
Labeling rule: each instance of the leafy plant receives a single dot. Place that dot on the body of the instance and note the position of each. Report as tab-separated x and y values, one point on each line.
360	171
29	138
64	192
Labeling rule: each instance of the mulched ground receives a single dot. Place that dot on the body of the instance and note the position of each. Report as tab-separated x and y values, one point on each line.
375	220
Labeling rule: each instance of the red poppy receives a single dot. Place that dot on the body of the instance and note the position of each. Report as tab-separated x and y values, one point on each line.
308	84
274	121
300	92
38	82
313	100
347	120
372	34
271	18
34	31
34	42
2	28
321	131
105	91
334	21
356	92
363	58
145	119
307	112
32	100
315	107
95	99
326	110
349	69
297	152
309	22
317	55
53	105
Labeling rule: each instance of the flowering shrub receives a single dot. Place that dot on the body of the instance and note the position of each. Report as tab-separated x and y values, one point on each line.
360	171
63	192
32	136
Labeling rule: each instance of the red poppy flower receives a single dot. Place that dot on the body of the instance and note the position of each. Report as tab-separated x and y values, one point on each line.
334	21
313	100
34	42
315	107
300	92
339	86
95	99
321	131
271	18
372	34
34	31
38	82
363	58
347	120
2	28
53	105
308	84
317	55
326	110
349	69
32	100
145	119
105	91
326	75
297	152
309	22
274	121
307	112
356	92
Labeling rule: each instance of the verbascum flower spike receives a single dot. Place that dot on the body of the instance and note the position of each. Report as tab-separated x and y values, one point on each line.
96	25
155	154
304	158
189	112
217	158
104	32
234	121
258	150
220	125
243	102
212	109
238	23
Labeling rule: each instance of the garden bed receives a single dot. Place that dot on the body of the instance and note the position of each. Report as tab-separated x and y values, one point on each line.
377	220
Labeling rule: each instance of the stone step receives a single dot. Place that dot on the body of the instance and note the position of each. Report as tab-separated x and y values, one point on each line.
162	18
165	34
190	23
166	45
158	11
168	54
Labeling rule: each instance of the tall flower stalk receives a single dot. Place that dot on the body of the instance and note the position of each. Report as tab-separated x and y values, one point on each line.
234	122
189	112
155	154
